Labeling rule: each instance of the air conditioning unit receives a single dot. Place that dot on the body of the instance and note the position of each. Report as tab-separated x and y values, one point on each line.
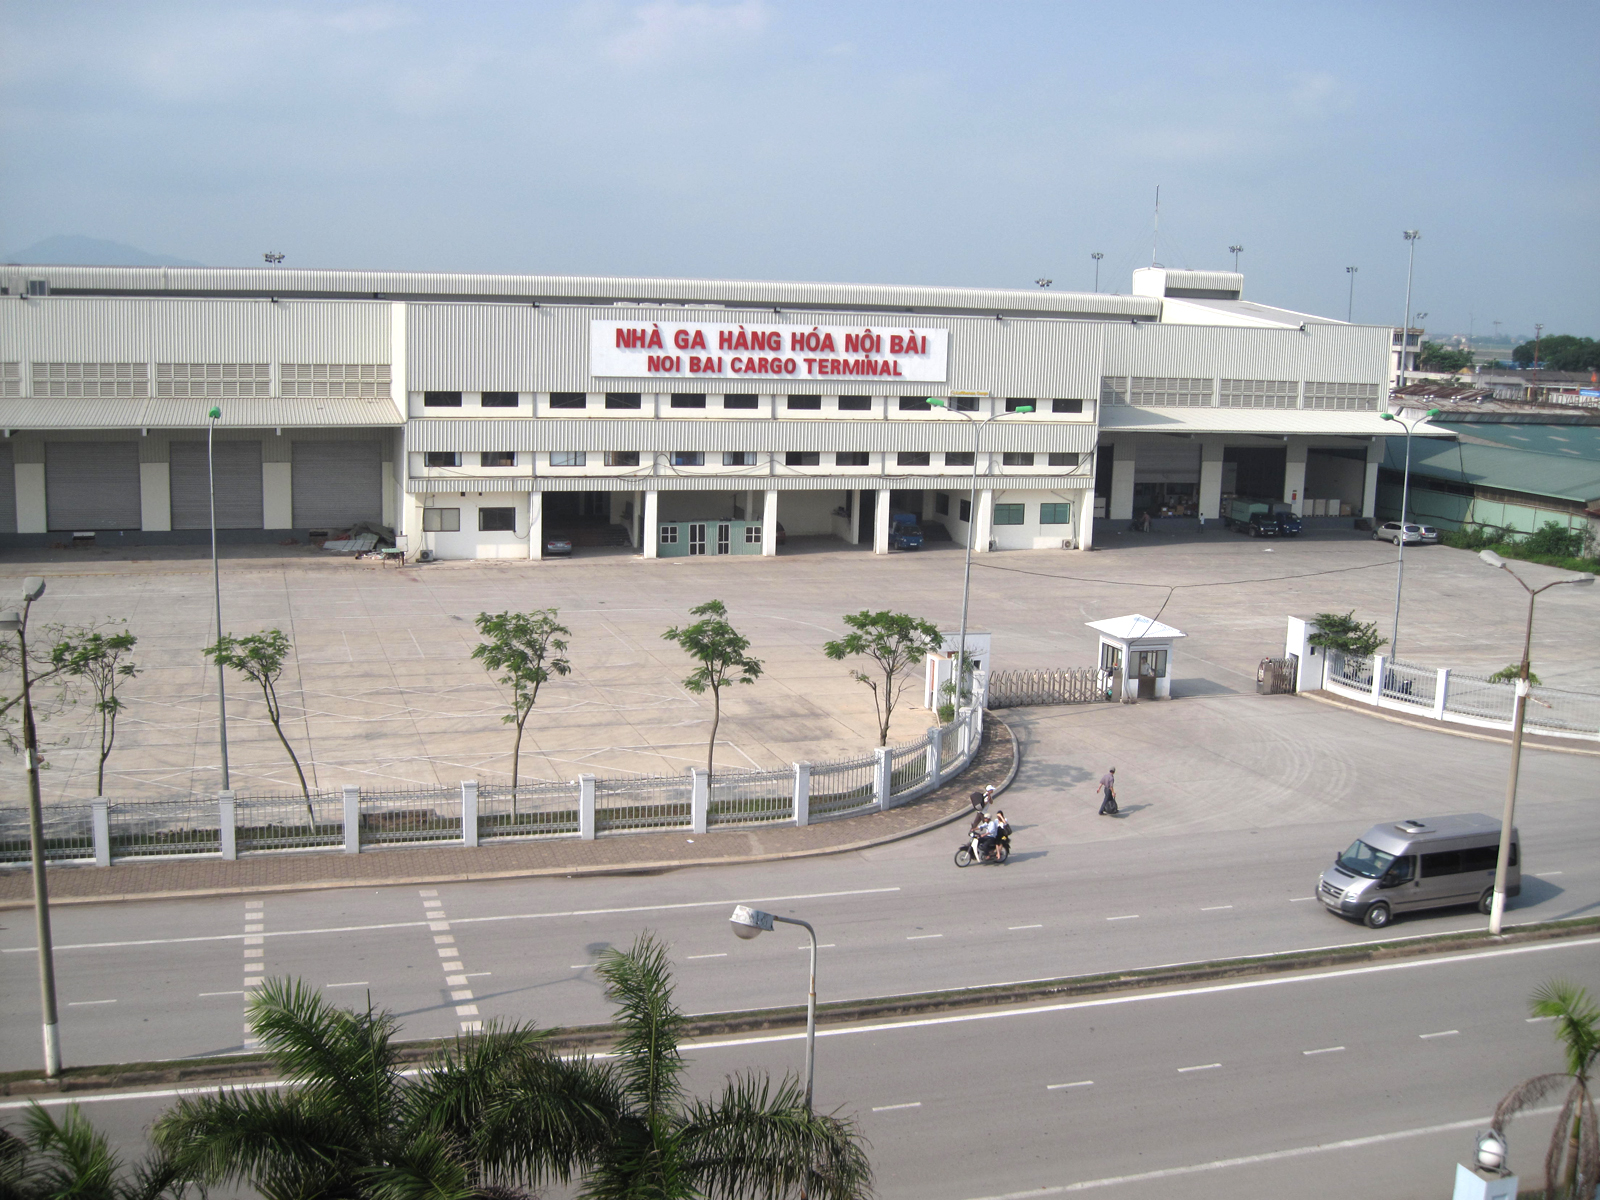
425	556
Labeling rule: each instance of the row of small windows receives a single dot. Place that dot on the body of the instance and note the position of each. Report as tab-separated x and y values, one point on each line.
1054	513
743	400
1183	392
68	380
448	520
747	458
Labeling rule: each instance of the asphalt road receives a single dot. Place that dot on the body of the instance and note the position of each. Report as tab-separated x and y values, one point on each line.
1369	1080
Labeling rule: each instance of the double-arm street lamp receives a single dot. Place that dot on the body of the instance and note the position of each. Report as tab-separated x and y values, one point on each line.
17	623
1405	502
751	922
1498	907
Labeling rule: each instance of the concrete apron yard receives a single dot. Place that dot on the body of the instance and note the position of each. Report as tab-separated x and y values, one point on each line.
996	762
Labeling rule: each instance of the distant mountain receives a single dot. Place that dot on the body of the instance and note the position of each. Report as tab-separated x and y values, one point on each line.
75	250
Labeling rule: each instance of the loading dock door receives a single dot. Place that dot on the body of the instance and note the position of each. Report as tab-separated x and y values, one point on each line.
238	472
91	485
336	484
8	492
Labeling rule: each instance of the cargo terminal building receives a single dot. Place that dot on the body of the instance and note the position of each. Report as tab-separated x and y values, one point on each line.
476	414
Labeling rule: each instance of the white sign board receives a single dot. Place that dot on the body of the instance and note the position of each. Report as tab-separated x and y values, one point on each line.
835	354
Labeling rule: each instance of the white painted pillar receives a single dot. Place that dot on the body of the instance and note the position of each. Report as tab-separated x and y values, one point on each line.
1294	474
935	741
1441	693
536	524
855	518
699	799
469	812
1380	663
352	819
387	506
1085	502
277	499
880	523
228	825
31	516
100	818
155	496
1369	491
652	523
802	794
882	777
1120	506
983	525
769	524
586	815
1211	478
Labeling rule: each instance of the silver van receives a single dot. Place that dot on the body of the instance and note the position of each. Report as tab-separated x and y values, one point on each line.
1406	866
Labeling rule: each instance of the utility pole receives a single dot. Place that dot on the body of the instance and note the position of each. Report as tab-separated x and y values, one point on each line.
1097	256
1405	324
1236	251
1538	332
1350	308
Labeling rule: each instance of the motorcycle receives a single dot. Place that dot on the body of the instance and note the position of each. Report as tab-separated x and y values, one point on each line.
997	854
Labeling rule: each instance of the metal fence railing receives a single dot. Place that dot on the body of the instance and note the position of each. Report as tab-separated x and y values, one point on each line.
68	833
1070	685
411	815
1409	683
164	827
843	788
908	769
534	810
752	798
659	803
289	821
949	746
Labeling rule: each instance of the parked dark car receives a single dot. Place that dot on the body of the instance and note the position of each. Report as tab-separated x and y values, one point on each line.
1288	524
1261	524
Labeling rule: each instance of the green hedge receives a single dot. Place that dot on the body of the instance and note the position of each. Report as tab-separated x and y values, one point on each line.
1551	544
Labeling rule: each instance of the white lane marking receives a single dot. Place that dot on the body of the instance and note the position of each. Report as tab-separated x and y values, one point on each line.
1202	1067
203	995
475	974
1441	1033
254	903
724	954
1216	908
428	892
575	912
1014	928
1056	1087
357	983
893	1107
580	966
1248	1160
87	1003
1300	899
1129	917
1547	874
820	946
444	939
1536	1020
922	937
452	966
1147	997
1324	1050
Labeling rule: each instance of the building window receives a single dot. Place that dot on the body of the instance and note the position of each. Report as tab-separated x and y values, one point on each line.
441	399
914	404
1259	393
688	458
497	520
964	513
911	458
334	379
1055	514
497	458
1066	406
752	535
623	400
958	458
802	458
1169	393
741	400
669	535
569	458
91	379
807	403
1113	389
498	399
1018	403
851	458
213	379
441	520
442	458
941	504
1014	458
688	399
1345	397
571	400
738	458
1009	514
1060	459
10	379
855	403
622	458
964	403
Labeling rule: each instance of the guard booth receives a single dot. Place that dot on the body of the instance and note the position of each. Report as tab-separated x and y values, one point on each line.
940	668
1136	656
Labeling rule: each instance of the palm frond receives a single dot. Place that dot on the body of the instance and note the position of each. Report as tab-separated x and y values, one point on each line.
1577	1021
1525	1095
1558	1142
639	983
1588	1147
430	1166
78	1162
15	1173
639	1163
760	1140
549	1118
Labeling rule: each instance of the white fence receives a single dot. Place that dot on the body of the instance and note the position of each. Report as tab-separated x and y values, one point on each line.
474	814
1454	695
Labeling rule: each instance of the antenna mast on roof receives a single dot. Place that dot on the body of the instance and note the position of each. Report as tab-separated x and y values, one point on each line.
1155	234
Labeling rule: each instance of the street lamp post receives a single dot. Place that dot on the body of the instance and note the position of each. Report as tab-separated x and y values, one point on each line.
1400	541
216	589
17	622
1405	325
749	922
1097	256
1497	907
1350	308
1236	251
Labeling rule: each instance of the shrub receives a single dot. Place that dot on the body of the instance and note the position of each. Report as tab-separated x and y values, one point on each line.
1342	632
1555	539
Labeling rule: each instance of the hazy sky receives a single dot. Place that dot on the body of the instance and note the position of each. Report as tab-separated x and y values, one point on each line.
973	143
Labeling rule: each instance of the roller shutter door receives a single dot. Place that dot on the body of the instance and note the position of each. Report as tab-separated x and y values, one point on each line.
91	485
337	483
238	485
1170	460
8	492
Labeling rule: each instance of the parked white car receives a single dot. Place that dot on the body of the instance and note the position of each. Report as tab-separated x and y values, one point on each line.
1393	531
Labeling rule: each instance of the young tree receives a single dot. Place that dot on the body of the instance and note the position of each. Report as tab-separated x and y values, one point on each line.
894	642
259	657
99	658
1341	631
720	650
752	1140
529	648
1572	1165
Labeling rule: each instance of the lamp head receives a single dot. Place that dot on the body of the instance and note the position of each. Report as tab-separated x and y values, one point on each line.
1386	416
1491	1151
10	621
215	414
937	402
1433	412
1582	581
32	587
1494	560
748	922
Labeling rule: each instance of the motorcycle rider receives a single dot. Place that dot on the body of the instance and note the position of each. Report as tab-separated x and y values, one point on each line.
988	835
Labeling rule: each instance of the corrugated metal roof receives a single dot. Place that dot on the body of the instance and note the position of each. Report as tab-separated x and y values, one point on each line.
191	414
1538	473
434	485
1116	418
760	483
1205	281
1323	353
435	433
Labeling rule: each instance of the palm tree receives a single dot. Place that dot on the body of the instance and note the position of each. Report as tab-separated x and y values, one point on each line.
495	1112
1574	1155
71	1160
756	1139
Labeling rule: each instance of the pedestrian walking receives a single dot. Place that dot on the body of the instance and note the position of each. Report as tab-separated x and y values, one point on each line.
1108	785
1202	522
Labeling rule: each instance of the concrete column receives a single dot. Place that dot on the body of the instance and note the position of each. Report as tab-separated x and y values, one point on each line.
155	496
1211	478
277	497
769	524
352	820
1441	693
1369	491
880	523
536	524
1120	506
100	817
699	799
652	524
964	715
228	825
983	521
469	812
586	816
1294	475
31	516
882	777
935	738
1380	663
802	794
387	513
1085	510
855	518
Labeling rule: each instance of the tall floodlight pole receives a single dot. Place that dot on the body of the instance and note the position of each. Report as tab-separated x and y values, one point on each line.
1097	256
17	622
1405	325
1497	906
1538	333
1236	251
216	590
1350	308
1400	540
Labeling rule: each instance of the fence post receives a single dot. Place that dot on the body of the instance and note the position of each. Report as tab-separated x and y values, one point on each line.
802	794
965	717
352	819
586	807
699	799
101	821
1441	693
935	746
227	826
1379	665
882	777
469	812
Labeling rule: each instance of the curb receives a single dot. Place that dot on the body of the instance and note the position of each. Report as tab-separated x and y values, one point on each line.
1382	715
536	872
